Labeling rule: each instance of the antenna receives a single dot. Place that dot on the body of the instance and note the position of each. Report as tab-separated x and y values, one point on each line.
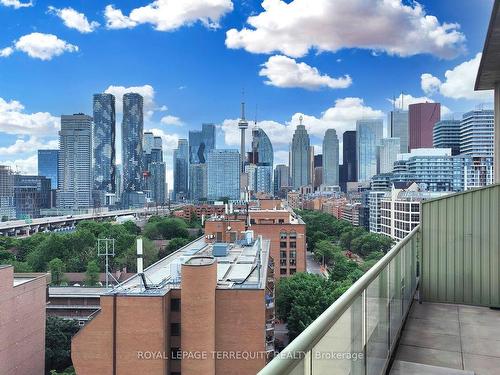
105	250
256	109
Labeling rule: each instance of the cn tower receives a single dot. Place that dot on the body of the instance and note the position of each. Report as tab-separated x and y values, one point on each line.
242	125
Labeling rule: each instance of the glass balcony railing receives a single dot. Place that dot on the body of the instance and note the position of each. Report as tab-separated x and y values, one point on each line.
358	332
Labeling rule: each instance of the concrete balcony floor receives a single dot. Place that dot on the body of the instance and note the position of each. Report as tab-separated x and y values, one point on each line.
449	339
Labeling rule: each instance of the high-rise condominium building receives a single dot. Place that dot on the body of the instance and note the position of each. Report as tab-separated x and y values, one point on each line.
181	169
331	158
104	146
75	162
7	207
156	182
368	136
300	157
223	174
132	149
398	128
477	133
201	142
389	150
48	165
422	117
446	134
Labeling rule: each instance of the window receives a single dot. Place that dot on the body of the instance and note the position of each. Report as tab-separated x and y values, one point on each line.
283	235
293	245
283	245
282	254
293	254
292	271
281	221
218	237
293	235
175	304
175	329
282	271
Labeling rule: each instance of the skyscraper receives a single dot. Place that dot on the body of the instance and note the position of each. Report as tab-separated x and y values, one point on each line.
200	144
331	158
350	156
446	134
389	150
422	117
104	146
75	162
181	168
477	133
263	158
7	206
368	136
155	169
300	157
48	165
223	174
132	149
281	179
31	193
397	121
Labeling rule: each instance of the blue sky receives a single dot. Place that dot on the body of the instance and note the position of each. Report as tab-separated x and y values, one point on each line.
333	61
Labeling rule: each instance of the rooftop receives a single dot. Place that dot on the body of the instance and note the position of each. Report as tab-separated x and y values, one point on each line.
489	69
243	267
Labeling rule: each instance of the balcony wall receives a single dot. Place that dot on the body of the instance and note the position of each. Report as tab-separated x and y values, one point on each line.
460	248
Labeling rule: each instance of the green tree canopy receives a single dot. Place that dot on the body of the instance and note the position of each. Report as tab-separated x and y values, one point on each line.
301	298
92	273
58	334
56	268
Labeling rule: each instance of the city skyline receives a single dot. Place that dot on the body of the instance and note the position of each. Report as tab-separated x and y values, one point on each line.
324	97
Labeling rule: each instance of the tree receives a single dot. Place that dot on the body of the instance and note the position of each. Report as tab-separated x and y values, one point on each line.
56	268
58	334
92	273
132	227
301	298
6	257
326	251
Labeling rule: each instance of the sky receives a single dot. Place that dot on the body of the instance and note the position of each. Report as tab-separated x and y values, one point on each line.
330	61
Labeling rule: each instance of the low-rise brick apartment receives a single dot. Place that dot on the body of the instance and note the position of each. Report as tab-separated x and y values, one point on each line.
22	322
204	309
285	230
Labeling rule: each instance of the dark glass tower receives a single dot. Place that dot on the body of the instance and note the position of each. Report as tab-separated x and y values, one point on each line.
132	133
104	143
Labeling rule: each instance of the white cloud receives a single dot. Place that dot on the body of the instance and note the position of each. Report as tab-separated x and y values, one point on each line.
13	120
147	92
168	15
341	116
27	166
21	146
115	19
171	120
43	46
74	19
6	52
281	157
404	100
282	71
295	27
458	82
16	4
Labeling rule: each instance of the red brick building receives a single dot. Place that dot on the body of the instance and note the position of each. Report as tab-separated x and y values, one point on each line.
285	230
23	298
204	309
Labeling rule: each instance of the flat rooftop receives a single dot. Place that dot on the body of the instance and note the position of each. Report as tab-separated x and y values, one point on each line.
75	291
443	339
244	267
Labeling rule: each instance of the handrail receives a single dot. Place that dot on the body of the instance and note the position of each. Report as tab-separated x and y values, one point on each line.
285	361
